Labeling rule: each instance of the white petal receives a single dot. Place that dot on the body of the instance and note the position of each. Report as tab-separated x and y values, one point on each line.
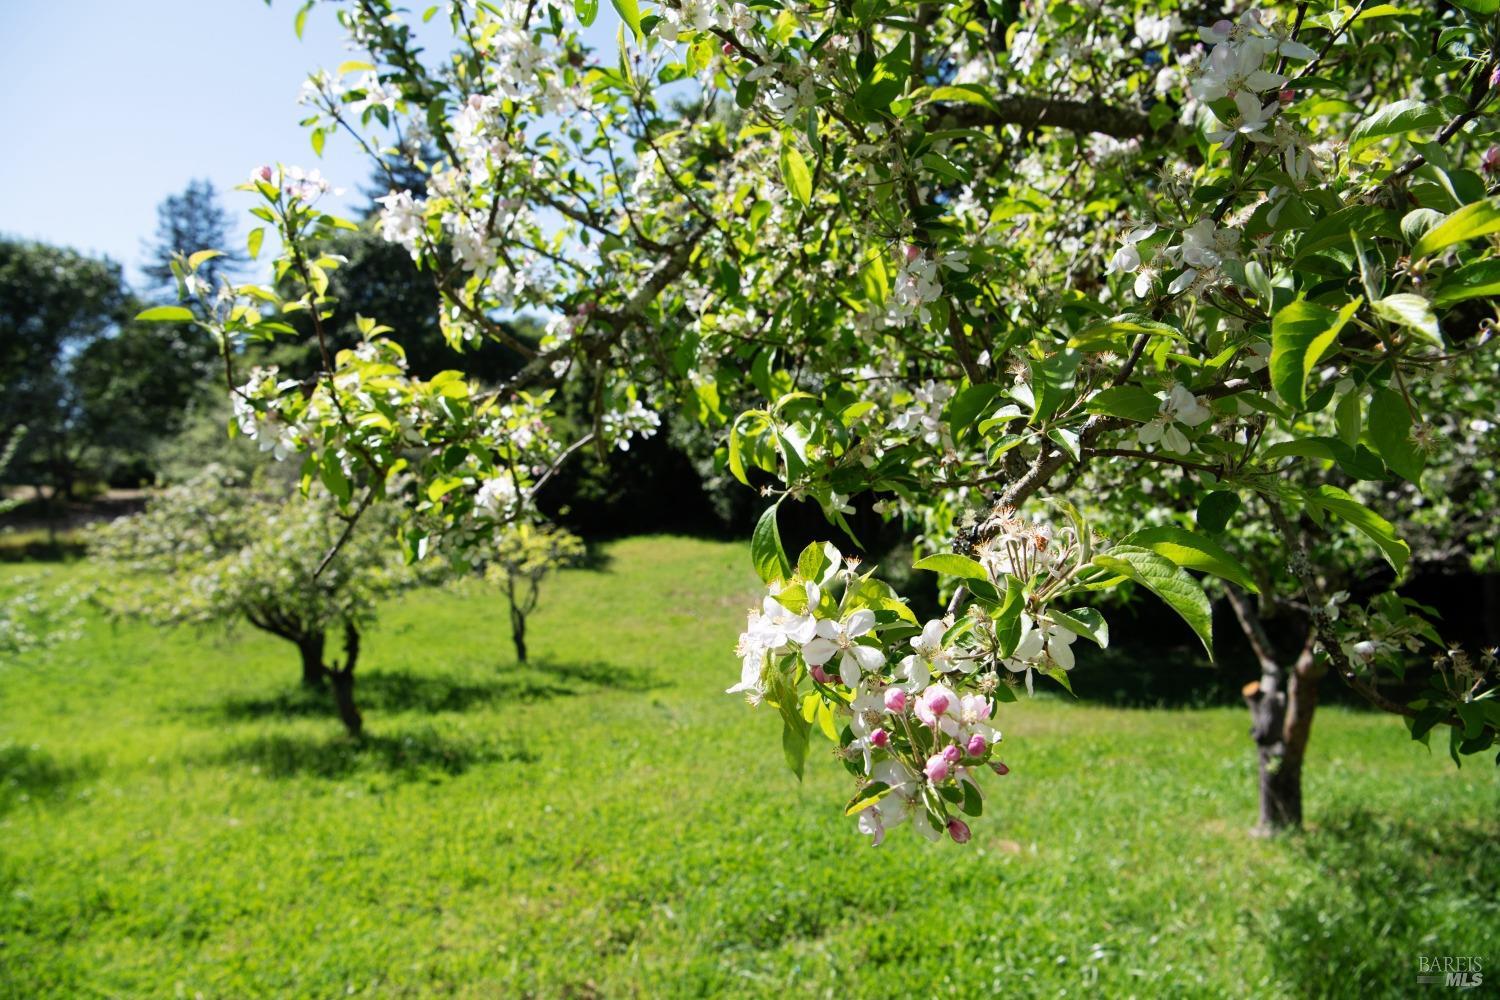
859	623
849	669
818	652
869	657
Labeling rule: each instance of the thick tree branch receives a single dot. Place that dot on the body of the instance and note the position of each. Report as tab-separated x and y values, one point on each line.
1042	112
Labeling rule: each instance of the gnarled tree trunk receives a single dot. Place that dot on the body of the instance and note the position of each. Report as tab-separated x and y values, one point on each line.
1282	704
342	679
314	674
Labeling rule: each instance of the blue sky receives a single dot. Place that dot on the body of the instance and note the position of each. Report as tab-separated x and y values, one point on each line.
111	105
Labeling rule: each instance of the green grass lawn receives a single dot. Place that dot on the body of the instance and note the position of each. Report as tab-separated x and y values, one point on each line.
178	820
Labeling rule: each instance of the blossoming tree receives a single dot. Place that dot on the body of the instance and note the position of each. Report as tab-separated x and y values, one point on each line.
945	258
219	550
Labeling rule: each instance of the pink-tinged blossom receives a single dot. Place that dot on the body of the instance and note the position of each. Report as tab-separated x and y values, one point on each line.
895	700
934	703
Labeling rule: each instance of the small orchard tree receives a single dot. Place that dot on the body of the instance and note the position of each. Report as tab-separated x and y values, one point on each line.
1445	524
946	258
219	549
524	555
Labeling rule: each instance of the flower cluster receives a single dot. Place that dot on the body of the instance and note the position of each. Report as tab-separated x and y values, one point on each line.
916	727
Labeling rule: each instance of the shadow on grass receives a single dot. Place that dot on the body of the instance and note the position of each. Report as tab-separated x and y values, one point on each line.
28	772
1386	891
388	692
411	755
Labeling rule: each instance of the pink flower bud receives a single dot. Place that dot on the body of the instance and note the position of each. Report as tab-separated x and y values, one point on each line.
820	675
264	173
977	746
937	768
895	700
1490	161
727	48
959	831
998	766
912	252
1287	96
476	101
880	738
938	703
952	754
1495	77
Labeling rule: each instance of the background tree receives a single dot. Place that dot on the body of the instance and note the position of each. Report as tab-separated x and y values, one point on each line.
221	550
524	556
187	222
55	304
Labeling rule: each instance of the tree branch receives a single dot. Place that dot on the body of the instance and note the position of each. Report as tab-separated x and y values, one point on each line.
1042	112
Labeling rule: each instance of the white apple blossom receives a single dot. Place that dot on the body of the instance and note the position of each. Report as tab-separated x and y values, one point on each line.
838	638
1179	406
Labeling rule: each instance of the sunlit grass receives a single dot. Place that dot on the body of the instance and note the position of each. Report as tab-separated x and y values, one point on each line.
177	817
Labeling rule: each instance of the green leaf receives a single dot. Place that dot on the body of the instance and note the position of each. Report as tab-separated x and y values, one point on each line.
1050	380
1193	551
1008	618
867	797
1087	622
794	744
1390	435
1166	580
586	10
1215	510
1359	462
1117	333
964	411
795	173
1332	500
1480	279
963	93
1469	222
887	79
202	257
1129	401
441	486
765	548
1348	418
254	240
630	13
166	314
1301	334
1411	311
952	564
1394	119
815	560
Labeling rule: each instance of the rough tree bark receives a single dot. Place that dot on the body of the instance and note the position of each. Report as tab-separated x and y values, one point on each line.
342	678
314	675
1282	704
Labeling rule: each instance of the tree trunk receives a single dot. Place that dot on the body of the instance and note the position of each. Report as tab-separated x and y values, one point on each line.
314	674
343	683
1282	704
343	699
518	634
